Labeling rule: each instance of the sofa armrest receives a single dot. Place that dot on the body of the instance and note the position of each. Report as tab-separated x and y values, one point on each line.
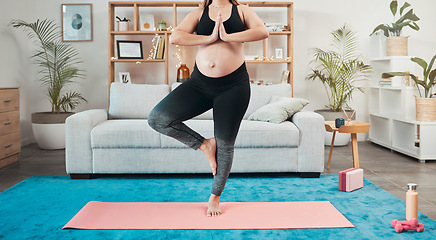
78	152
311	149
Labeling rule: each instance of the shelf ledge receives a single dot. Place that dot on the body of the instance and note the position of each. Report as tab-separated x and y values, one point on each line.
137	60
169	32
389	58
400	118
275	61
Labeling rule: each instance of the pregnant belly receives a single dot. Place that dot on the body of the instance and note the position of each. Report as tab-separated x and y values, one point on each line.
220	58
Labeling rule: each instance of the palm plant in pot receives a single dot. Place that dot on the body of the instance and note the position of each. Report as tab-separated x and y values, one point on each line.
339	70
396	45
57	61
425	103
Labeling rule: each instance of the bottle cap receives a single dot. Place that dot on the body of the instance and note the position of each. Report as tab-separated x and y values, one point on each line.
412	186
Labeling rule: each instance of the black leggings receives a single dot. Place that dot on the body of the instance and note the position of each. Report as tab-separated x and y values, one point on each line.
228	96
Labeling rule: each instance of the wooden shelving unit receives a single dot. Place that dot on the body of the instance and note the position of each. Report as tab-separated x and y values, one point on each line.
165	34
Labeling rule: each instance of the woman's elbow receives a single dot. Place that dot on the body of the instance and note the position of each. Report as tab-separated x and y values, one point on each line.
265	33
173	39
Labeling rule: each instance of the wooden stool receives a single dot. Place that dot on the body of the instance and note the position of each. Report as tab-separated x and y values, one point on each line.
353	128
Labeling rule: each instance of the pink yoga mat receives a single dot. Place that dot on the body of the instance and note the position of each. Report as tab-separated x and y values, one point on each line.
181	215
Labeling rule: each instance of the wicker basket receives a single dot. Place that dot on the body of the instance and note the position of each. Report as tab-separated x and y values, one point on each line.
425	109
396	46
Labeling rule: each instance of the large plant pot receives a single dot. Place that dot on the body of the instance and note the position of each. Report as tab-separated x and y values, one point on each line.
341	139
396	46
49	129
425	109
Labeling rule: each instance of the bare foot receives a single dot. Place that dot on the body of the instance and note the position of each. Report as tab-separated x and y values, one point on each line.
214	209
209	148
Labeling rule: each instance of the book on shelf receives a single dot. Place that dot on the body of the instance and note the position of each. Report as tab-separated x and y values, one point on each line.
156	47
385	82
160	49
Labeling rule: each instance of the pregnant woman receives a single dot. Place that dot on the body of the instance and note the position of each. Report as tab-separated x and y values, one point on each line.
219	81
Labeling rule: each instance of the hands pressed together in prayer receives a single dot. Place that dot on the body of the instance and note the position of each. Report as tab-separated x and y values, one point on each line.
219	32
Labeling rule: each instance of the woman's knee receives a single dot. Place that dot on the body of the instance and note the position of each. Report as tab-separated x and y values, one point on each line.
157	119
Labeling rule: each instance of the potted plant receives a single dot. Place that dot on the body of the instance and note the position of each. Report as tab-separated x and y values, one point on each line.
396	45
123	24
425	103
57	61
162	26
339	70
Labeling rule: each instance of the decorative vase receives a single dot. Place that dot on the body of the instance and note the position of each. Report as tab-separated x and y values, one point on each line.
182	73
396	46
425	109
123	26
341	139
49	129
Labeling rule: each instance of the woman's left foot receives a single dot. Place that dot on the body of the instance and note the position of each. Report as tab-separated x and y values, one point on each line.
214	209
209	148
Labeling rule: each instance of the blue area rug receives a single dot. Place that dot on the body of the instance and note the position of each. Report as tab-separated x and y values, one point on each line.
39	207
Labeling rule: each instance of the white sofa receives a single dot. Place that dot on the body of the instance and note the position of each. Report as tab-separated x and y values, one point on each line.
120	141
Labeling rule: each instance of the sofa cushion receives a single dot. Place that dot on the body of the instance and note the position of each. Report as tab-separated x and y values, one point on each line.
251	134
135	100
132	133
279	109
261	95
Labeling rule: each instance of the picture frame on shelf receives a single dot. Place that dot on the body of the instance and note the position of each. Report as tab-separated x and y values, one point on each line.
129	49
279	53
147	22
285	76
76	22
124	77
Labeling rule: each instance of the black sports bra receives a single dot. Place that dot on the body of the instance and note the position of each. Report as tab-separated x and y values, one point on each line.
233	24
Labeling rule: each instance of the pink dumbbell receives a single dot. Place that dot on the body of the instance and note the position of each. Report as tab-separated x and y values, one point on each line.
400	228
412	222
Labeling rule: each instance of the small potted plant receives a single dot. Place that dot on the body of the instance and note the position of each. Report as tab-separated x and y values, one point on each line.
396	45
162	26
425	103
123	24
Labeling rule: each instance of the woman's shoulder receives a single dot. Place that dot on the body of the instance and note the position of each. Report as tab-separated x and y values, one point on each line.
196	13
243	7
198	10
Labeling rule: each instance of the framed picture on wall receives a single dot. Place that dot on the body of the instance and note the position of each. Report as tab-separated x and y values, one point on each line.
76	22
278	53
124	77
129	49
147	22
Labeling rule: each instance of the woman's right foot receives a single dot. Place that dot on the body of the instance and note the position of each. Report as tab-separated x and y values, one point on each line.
209	148
214	209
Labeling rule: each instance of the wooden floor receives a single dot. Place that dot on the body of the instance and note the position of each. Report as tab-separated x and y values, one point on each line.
389	170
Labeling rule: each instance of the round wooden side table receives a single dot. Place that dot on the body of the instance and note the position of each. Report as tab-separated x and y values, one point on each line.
353	128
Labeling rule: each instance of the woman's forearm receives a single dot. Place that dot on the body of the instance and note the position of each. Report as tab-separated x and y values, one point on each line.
187	39
249	35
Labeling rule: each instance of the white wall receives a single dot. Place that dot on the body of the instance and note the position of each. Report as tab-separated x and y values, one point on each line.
313	22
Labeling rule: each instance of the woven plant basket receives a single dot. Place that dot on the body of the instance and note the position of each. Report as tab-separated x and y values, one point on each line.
425	109
396	46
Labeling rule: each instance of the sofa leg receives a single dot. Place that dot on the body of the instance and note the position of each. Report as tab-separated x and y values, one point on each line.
80	176
310	174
